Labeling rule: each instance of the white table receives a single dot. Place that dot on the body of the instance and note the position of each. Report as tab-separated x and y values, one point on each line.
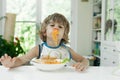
31	73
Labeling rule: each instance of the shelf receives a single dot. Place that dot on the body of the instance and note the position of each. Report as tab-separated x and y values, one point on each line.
97	40
96	29
96	55
97	16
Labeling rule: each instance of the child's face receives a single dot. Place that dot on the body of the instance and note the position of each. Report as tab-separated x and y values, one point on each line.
51	26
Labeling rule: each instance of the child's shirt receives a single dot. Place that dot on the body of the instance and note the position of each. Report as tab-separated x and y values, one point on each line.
59	52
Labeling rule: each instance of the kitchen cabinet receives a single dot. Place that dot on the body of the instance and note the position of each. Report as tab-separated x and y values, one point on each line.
110	31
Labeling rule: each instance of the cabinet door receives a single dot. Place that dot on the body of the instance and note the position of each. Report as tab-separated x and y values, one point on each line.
112	21
109	60
116	15
109	56
108	26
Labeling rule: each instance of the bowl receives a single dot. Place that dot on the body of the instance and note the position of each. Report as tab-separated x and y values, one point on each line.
48	67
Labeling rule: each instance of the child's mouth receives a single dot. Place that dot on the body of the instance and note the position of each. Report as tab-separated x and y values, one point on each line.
55	35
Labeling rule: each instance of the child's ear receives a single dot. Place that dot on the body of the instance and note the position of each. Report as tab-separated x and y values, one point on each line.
63	37
44	33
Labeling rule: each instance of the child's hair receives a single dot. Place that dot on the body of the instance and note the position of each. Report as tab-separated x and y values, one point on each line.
59	18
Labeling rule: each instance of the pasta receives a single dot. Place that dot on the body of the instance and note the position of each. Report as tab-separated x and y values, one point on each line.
55	36
48	60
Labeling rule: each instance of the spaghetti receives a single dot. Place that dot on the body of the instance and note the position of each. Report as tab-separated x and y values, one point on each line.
55	36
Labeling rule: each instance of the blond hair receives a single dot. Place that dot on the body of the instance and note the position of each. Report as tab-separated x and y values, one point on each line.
56	17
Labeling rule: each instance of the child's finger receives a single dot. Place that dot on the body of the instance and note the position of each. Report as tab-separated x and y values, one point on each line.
14	59
78	65
81	68
2	58
6	56
75	65
84	69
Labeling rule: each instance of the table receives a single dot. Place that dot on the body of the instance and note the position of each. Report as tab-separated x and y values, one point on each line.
67	73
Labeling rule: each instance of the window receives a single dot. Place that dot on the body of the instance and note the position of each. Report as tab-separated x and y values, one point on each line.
52	6
25	20
30	13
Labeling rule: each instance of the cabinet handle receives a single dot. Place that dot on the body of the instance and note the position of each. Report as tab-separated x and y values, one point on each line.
111	9
113	62
114	50
105	58
105	48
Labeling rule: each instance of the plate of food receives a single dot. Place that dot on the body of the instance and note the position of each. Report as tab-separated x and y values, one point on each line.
49	64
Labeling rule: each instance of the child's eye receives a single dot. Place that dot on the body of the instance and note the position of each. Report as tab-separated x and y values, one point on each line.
52	25
60	26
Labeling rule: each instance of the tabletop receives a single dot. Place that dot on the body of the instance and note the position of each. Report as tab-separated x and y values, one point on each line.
67	73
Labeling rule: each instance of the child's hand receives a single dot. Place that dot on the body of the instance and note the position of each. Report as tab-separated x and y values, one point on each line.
80	66
7	61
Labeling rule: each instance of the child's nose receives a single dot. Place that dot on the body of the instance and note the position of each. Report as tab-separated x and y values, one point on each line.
55	28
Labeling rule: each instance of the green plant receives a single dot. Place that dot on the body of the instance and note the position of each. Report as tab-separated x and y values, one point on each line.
12	48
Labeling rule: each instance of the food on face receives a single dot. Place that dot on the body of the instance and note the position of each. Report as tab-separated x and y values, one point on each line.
48	60
55	35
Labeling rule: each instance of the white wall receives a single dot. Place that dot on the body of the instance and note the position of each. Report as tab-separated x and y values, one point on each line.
2	13
74	24
0	16
85	27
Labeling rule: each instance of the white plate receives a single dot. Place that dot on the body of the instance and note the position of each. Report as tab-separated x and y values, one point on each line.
48	67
